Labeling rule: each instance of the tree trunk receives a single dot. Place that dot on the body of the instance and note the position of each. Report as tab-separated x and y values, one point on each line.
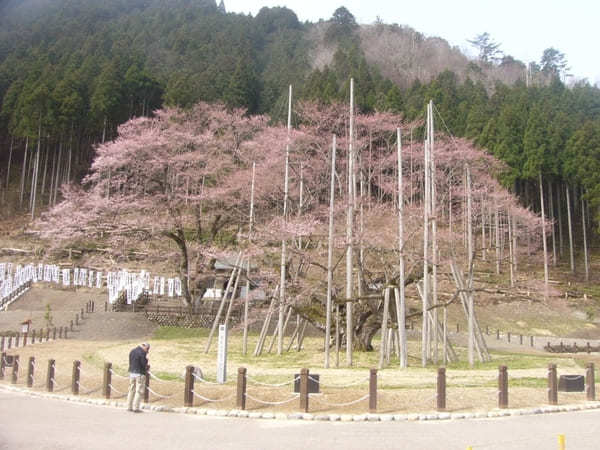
544	238
550	195
399	294
572	257
36	170
585	247
24	172
12	139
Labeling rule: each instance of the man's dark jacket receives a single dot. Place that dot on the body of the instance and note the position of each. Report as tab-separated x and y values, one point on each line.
138	361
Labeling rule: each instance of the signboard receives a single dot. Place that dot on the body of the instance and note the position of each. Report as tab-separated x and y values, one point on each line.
222	355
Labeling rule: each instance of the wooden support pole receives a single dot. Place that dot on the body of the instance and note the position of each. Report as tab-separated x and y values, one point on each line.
32	338
502	387
15	371
41	335
304	390
54	333
2	344
60	332
71	325
106	380
188	395
552	385
441	389
76	375
17	339
66	330
50	376
590	382
76	320
30	371
241	388
373	391
2	365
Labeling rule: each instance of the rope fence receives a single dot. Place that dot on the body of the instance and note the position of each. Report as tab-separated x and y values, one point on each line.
307	387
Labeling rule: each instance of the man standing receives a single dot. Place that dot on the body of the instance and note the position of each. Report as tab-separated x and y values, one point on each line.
138	366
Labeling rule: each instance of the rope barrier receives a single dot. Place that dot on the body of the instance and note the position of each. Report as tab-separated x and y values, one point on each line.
339	386
257	400
154	377
339	405
260	383
202	380
117	375
160	395
211	400
56	385
112	388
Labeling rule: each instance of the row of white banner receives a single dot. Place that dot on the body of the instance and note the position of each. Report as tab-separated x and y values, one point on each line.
12	277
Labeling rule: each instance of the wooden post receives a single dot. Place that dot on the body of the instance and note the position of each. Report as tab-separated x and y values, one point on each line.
497	334
2	344
105	306
2	365
30	371
66	332
15	371
106	380
32	338
373	391
521	339
54	333
552	385
76	320
50	376
241	388
75	377
81	314
531	341
147	386
41	335
502	387
441	389
71	325
188	396
304	390
60	332
508	336
18	338
590	382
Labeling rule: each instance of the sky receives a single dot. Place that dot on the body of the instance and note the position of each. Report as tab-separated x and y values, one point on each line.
523	28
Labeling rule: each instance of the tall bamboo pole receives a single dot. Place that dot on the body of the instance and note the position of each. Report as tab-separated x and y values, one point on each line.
425	322
545	244
250	227
434	248
471	317
349	232
399	293
283	241
330	255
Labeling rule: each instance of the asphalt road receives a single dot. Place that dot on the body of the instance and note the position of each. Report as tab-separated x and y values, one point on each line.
38	423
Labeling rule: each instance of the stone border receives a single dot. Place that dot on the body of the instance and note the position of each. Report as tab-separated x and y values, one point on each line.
435	416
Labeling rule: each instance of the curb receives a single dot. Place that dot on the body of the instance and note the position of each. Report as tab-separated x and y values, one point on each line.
369	417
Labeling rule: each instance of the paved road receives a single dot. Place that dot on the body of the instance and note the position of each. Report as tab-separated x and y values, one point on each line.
37	423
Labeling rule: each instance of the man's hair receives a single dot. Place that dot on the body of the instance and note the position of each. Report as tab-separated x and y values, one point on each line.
145	344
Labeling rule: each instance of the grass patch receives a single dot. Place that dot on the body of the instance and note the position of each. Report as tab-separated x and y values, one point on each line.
169	333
